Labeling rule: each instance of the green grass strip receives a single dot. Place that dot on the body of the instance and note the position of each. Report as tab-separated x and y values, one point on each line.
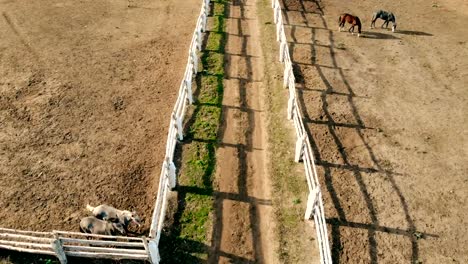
187	240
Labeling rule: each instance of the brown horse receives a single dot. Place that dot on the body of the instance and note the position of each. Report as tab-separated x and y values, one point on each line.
353	20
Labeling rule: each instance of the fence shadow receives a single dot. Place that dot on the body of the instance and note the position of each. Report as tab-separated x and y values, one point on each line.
348	163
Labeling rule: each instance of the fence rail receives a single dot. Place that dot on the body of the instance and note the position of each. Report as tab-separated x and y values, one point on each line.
304	150
167	179
62	244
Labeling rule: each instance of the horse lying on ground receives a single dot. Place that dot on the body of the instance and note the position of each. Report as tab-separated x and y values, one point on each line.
92	225
109	213
384	15
353	20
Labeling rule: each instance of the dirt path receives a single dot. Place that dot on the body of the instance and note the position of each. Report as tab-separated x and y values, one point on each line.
387	117
243	226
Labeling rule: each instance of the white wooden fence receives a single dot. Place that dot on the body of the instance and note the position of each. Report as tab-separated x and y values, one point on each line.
62	244
167	180
303	148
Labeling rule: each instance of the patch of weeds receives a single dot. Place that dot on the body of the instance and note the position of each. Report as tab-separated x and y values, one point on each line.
297	201
214	64
418	235
206	123
211	90
386	164
340	46
186	240
213	42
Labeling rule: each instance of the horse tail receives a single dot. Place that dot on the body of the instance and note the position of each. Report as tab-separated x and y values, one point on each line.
340	19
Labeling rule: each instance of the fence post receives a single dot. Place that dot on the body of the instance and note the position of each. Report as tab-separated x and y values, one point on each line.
312	200
279	28
292	79
290	108
188	89
178	125
153	252
299	148
207	7
282	47
275	11
58	249
204	19
199	38
171	172
286	74
193	56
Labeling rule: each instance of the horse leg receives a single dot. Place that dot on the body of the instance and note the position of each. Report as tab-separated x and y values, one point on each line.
341	26
351	29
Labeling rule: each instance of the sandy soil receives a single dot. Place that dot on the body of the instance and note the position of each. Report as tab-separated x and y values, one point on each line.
243	227
387	115
86	88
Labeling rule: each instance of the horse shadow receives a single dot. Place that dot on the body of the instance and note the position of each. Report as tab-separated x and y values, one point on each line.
413	33
377	35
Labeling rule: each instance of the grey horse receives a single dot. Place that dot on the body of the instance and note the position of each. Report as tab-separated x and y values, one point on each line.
384	15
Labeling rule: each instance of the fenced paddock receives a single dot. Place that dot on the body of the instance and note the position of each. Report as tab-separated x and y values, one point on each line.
71	244
304	150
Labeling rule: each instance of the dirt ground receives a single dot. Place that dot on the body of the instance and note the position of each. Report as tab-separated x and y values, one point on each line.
86	88
387	117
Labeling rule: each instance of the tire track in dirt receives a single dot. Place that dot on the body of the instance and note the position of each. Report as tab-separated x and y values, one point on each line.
242	228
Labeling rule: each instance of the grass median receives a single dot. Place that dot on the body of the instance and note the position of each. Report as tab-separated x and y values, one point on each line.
187	239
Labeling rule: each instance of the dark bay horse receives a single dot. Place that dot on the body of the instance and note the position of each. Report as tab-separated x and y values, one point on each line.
386	16
353	20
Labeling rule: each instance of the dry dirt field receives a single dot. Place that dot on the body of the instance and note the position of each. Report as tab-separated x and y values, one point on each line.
86	89
387	114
